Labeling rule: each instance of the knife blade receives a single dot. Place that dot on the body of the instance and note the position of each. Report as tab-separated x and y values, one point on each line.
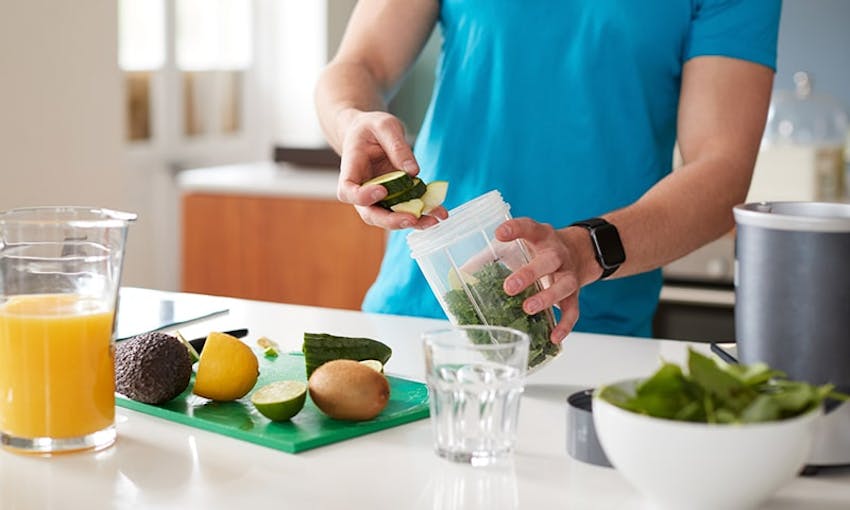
198	343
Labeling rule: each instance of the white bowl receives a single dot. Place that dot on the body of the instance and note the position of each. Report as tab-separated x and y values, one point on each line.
679	465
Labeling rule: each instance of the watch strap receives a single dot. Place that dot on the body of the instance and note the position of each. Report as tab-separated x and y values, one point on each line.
591	224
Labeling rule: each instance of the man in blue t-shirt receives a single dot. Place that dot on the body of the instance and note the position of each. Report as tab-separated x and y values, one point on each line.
571	109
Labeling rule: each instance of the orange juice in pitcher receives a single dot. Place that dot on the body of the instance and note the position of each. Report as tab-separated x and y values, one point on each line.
60	270
56	365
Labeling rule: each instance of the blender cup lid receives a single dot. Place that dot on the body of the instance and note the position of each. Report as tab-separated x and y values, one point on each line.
463	220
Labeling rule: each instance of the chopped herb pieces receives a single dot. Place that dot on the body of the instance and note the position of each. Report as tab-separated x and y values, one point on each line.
499	309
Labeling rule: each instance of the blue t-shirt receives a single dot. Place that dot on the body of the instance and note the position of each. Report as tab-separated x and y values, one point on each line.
568	108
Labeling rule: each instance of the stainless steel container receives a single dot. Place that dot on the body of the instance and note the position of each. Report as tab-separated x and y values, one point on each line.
792	301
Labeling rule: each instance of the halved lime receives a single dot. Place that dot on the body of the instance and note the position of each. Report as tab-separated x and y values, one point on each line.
280	400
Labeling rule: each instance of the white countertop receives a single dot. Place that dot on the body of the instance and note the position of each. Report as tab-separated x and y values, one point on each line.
261	178
160	464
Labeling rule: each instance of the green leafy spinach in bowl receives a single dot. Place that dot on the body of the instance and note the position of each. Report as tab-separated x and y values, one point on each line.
717	392
680	434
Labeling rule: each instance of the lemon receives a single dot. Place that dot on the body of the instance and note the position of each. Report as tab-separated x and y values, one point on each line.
227	369
280	400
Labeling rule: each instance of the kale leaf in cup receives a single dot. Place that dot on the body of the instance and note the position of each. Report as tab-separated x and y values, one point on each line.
499	309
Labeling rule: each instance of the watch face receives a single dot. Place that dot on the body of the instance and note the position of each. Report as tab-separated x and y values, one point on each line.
608	246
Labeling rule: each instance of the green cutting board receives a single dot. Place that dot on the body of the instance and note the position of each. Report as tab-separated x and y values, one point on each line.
308	429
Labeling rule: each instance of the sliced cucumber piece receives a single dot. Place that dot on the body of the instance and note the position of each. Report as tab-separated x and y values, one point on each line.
395	182
435	195
456	280
413	207
416	191
319	348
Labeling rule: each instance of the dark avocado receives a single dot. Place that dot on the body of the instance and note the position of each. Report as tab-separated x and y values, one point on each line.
152	368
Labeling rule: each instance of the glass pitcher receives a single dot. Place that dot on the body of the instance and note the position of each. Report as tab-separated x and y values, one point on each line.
60	270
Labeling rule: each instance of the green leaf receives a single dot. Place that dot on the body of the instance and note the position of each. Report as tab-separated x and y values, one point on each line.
729	390
666	393
719	393
762	408
794	396
500	309
692	411
828	391
726	416
708	408
667	378
707	373
615	395
759	373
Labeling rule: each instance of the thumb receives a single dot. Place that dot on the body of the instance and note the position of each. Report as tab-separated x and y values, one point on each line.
397	149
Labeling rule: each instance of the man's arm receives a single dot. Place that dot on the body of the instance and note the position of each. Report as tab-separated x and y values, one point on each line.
722	111
381	43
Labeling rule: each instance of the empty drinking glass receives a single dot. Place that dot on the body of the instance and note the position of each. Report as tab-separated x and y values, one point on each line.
475	376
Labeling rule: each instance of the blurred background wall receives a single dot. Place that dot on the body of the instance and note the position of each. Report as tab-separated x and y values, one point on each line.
62	105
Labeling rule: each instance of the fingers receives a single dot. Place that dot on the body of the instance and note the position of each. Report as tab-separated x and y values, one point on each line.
523	228
356	167
380	217
426	220
390	134
569	317
439	212
563	286
375	144
551	262
544	263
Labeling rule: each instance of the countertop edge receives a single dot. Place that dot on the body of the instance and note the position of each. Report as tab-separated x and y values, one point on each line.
263	178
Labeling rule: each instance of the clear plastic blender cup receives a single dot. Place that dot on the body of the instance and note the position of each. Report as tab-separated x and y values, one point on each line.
466	266
60	269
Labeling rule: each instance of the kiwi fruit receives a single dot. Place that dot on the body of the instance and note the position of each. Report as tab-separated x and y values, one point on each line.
152	368
349	390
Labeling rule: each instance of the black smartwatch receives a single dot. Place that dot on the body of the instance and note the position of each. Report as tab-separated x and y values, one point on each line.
606	244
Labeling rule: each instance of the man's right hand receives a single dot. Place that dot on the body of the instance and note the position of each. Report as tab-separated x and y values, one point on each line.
374	144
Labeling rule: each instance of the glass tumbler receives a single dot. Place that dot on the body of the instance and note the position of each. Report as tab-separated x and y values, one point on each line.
60	269
475	377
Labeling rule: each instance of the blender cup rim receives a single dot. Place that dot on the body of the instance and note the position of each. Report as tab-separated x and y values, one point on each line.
463	220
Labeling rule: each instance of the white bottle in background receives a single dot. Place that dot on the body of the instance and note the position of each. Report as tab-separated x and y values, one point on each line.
802	152
799	172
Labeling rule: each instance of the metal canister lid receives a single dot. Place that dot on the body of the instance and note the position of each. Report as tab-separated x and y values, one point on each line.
582	443
795	216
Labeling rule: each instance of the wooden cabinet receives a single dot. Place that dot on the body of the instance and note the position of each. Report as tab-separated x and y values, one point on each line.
292	250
